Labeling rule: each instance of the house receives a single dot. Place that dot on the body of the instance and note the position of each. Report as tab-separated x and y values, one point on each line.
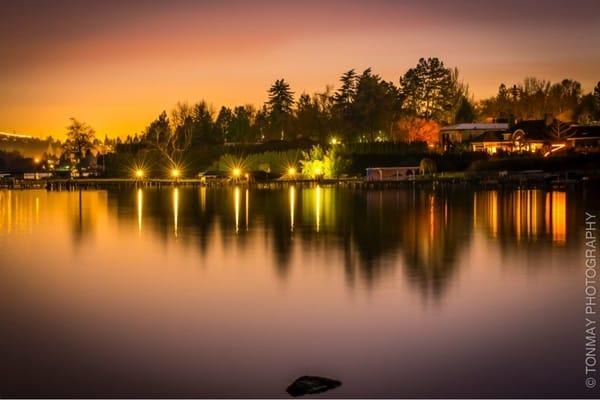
491	142
585	139
531	136
465	132
537	136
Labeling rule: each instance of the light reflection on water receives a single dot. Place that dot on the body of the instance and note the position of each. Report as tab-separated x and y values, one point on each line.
175	210
140	208
235	292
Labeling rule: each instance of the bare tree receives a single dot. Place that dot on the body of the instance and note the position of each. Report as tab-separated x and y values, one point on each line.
80	139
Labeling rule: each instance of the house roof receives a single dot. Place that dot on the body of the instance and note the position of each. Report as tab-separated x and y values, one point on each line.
489	136
585	132
476	127
534	129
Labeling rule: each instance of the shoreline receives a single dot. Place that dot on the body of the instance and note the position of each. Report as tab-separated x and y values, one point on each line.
517	180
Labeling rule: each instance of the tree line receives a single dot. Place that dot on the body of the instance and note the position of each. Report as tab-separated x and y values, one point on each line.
538	99
365	108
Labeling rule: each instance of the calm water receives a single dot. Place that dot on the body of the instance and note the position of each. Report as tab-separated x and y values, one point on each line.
234	292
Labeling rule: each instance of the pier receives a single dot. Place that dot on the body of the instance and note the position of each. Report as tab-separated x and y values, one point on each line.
525	179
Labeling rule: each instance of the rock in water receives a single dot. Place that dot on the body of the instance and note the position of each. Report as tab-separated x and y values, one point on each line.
311	385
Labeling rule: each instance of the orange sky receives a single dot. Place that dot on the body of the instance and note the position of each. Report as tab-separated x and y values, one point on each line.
118	64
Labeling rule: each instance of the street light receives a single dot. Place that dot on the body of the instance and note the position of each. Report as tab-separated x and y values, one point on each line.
175	173
139	173
236	172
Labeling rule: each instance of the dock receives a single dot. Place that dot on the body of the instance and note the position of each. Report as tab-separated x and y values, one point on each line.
557	181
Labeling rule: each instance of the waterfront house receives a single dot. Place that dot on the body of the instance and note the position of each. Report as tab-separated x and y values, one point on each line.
465	132
491	142
537	136
585	139
531	136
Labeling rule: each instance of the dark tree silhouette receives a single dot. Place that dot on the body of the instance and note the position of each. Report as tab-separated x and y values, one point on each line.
430	90
80	139
222	126
536	99
465	111
280	107
376	106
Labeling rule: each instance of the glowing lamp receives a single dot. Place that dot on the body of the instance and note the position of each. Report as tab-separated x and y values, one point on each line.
139	173
291	171
318	171
175	173
236	172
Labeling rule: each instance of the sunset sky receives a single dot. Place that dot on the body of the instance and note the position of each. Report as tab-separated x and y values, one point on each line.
118	64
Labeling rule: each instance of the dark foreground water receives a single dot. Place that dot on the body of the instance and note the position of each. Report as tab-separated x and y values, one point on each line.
236	292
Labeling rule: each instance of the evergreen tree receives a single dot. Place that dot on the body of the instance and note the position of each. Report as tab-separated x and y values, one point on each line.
222	126
159	130
241	124
307	117
376	107
280	103
203	129
343	101
430	90
465	111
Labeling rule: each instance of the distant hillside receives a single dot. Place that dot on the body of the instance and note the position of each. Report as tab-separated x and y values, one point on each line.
28	146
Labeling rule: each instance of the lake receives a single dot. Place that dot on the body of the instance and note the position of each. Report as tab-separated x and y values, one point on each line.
235	292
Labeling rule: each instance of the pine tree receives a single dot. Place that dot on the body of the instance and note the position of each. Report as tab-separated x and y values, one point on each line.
279	105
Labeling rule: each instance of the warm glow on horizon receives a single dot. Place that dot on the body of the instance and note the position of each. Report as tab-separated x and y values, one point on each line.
55	67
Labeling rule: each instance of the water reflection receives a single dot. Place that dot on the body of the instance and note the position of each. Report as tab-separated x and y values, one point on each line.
236	201
521	215
292	206
247	208
558	224
420	232
318	207
175	210
140	208
203	199
323	270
